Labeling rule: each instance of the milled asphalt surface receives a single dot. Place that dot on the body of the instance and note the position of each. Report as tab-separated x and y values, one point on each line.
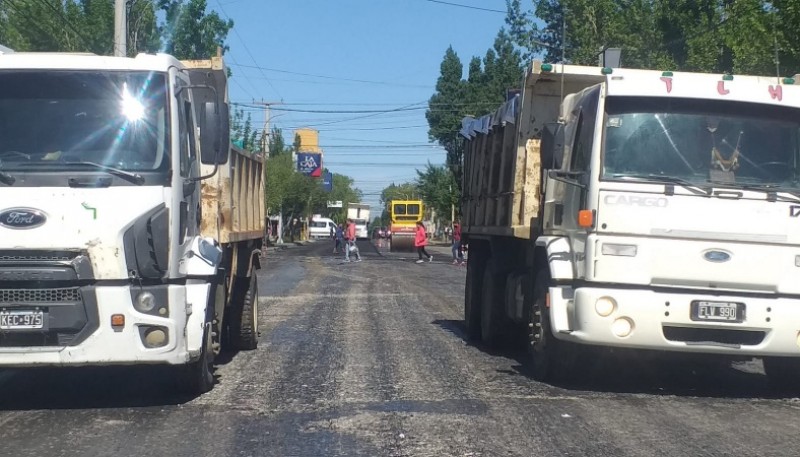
369	359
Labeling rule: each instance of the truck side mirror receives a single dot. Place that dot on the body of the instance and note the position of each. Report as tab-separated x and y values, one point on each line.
552	146
214	134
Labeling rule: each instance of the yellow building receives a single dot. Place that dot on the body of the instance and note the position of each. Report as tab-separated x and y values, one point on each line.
309	140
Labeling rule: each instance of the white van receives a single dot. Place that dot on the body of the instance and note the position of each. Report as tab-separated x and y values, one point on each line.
321	228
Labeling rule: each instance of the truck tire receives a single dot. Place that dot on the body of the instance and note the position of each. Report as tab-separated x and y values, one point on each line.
492	298
551	359
783	373
472	297
198	376
244	320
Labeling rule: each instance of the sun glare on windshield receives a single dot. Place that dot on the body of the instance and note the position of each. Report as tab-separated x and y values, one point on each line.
132	108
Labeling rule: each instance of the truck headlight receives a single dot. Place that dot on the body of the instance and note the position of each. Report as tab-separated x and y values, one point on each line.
604	306
624	250
145	302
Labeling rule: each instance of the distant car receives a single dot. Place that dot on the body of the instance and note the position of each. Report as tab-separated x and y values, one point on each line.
387	233
376	233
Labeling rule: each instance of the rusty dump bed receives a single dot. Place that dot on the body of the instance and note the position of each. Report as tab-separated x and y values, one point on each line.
232	201
501	188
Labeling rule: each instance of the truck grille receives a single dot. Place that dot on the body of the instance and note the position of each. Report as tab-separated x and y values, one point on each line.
23	296
733	337
26	256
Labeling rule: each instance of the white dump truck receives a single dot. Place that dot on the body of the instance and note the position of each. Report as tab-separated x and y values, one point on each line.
624	208
129	227
359	213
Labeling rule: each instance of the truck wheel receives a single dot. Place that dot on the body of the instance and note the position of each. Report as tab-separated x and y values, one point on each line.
198	376
472	298
551	358
244	329
491	308
783	373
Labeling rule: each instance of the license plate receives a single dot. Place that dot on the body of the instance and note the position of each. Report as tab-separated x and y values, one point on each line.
717	311
21	320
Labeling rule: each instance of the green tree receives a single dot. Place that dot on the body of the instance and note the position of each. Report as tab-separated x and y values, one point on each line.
344	190
444	119
438	189
483	91
190	32
242	132
689	35
277	145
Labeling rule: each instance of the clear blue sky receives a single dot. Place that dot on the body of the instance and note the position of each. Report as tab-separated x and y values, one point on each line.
394	47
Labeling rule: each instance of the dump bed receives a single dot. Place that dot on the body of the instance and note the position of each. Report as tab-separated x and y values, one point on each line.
501	187
232	200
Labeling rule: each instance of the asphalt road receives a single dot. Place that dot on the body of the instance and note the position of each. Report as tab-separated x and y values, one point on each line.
369	359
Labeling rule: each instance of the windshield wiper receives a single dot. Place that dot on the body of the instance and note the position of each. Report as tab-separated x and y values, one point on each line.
772	191
7	178
666	180
135	178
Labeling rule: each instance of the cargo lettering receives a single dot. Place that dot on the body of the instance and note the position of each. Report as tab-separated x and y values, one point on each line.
776	92
652	202
721	88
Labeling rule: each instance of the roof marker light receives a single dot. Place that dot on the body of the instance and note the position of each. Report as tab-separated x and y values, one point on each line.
788	81
727	77
607	70
666	74
547	67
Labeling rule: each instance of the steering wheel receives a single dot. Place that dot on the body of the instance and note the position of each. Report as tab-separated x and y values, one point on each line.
785	167
16	153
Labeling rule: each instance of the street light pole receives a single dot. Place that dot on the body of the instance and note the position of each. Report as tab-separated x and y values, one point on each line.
120	28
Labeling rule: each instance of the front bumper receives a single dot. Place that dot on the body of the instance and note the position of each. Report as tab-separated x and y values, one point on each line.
100	343
661	321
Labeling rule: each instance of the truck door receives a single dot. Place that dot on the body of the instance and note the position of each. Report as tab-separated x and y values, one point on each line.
189	168
582	121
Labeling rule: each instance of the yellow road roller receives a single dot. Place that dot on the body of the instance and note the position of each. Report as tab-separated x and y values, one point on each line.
405	214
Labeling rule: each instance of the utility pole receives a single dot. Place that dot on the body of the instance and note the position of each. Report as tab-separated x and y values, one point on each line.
267	119
265	153
120	28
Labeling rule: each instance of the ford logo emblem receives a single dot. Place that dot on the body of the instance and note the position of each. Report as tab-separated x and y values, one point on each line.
22	218
716	256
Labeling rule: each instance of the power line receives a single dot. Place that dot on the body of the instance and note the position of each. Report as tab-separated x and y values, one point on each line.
247	49
34	23
382	146
31	21
366	140
363	81
294	110
373	128
492	103
69	24
467	6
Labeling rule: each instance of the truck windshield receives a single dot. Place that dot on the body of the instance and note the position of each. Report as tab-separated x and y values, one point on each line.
52	118
732	143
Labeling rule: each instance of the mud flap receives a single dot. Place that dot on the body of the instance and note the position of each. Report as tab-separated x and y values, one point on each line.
196	304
